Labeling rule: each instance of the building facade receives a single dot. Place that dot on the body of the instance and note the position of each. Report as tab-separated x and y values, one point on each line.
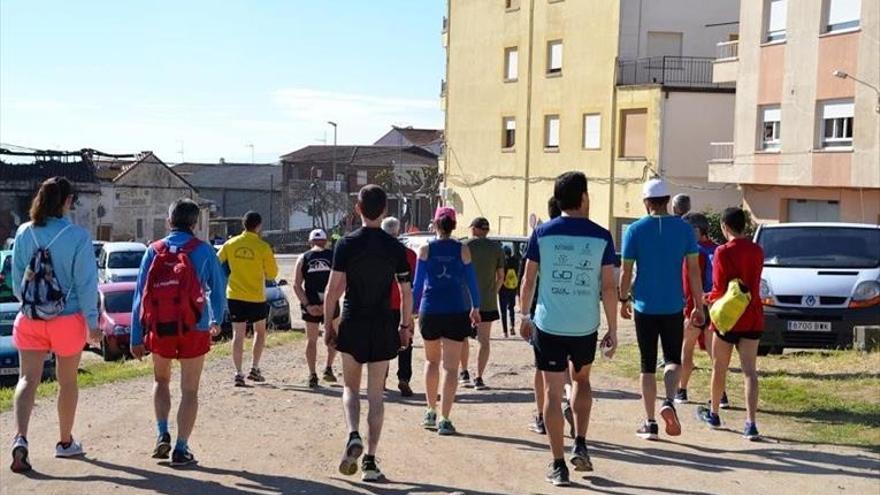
619	90
807	130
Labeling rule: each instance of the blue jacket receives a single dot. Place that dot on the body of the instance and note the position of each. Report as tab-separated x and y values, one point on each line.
73	259
209	271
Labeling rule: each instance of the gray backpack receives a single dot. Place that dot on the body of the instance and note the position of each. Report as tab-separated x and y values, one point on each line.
41	294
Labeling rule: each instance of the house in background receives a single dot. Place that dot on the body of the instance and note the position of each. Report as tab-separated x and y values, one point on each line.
429	139
313	196
20	182
235	189
806	143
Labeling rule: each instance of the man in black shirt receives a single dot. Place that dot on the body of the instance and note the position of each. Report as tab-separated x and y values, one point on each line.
365	264
311	274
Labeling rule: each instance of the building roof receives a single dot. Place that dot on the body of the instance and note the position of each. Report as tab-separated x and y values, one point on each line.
360	155
240	176
418	137
80	171
148	156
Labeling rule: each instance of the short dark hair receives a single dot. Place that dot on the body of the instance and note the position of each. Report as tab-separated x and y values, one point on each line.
553	208
735	219
251	220
697	221
569	190
183	214
372	200
445	224
658	203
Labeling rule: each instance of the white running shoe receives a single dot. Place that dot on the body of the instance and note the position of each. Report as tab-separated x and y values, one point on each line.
74	449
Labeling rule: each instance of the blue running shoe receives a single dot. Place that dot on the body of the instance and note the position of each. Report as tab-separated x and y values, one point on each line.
706	415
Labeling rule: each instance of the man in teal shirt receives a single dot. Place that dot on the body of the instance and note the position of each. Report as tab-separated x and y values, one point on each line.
575	258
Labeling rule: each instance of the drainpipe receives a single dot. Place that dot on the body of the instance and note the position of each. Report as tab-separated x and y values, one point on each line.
612	166
528	141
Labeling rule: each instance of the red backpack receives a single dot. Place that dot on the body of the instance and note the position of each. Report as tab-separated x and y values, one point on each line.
173	298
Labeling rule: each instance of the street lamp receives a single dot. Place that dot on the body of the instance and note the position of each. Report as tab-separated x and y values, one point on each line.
843	75
334	147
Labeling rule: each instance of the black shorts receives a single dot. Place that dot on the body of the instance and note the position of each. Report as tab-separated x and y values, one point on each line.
734	338
369	339
316	319
247	312
489	316
454	326
670	330
553	352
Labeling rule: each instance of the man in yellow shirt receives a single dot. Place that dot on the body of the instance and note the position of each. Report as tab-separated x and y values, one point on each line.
251	262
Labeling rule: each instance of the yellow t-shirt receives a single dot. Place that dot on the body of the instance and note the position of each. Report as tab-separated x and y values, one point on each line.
251	262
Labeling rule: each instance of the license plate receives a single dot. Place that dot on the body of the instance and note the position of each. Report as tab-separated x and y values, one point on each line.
809	326
9	371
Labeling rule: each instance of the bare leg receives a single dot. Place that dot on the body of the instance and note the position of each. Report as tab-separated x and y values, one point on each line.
539	391
691	335
433	354
451	356
351	401
484	336
311	346
748	358
582	400
259	342
239	333
721	352
465	353
31	372
190	376
376	373
331	352
554	385
161	390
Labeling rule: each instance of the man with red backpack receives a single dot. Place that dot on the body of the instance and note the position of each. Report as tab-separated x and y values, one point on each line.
179	299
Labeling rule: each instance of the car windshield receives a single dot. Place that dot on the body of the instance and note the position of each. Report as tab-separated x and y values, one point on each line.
118	302
6	321
821	247
125	259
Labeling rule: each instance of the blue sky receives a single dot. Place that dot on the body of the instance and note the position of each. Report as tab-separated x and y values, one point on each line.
215	76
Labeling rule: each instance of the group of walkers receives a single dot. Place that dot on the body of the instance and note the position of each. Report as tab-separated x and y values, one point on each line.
568	282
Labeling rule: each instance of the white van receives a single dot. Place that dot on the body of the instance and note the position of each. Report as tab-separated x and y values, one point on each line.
820	280
120	261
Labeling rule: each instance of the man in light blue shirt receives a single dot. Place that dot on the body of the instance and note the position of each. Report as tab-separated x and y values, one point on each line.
575	258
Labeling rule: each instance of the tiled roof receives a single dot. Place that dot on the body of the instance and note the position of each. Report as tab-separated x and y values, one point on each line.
360	155
256	177
420	137
75	171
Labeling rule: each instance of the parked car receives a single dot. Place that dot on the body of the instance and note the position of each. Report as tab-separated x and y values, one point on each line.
97	246
279	310
120	261
6	294
820	280
9	366
114	319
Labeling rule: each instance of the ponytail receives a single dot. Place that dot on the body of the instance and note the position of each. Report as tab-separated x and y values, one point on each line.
50	200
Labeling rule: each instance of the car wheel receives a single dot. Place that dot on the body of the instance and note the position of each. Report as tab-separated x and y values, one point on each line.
108	352
763	350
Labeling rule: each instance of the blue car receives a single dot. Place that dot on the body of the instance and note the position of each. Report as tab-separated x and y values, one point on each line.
8	353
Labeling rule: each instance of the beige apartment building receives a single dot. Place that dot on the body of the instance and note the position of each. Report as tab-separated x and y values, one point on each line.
621	90
807	131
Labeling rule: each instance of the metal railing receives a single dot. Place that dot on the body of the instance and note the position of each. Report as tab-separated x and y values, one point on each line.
721	152
445	27
727	50
442	88
687	72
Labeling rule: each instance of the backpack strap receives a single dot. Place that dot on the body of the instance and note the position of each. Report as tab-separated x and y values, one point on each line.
58	235
159	247
191	245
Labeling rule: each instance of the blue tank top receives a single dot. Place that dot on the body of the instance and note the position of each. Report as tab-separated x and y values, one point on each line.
445	285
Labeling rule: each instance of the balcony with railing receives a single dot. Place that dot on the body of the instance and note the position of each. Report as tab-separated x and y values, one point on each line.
721	152
670	71
720	166
726	62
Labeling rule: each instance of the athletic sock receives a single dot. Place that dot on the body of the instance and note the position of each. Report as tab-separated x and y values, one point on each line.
181	445
162	426
354	435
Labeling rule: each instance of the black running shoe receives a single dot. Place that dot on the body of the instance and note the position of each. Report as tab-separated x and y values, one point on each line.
648	430
163	446
20	461
182	458
329	377
353	450
569	417
370	469
239	380
580	458
464	378
724	403
405	389
256	375
479	384
670	417
538	426
313	381
681	397
558	475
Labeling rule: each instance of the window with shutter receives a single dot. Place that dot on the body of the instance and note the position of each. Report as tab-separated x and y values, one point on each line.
592	133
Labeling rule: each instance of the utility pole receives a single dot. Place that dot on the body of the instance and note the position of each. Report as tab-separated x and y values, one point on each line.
334	148
251	146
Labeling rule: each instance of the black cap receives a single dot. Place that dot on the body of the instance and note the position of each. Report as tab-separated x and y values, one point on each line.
480	223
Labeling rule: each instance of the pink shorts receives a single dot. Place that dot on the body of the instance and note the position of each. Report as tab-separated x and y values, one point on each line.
63	335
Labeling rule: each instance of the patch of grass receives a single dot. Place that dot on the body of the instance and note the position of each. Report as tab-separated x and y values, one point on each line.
828	397
94	373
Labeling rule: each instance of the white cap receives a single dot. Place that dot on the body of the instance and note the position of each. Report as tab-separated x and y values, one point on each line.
655	188
317	235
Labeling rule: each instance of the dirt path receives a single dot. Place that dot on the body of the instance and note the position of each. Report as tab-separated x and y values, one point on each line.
283	438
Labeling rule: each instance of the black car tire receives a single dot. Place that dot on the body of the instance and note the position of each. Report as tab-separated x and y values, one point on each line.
108	353
764	350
